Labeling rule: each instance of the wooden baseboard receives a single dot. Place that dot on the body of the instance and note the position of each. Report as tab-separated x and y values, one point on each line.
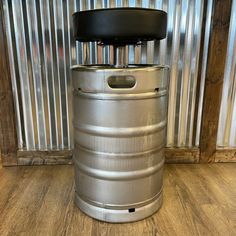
8	159
172	155
44	157
225	155
182	155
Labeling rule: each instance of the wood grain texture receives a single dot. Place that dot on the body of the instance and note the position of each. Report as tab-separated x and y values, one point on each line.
44	157
172	155
225	155
8	137
181	155
198	200
214	79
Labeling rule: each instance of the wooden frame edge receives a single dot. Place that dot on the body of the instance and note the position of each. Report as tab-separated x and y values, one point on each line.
214	79
54	157
225	155
172	155
8	135
181	155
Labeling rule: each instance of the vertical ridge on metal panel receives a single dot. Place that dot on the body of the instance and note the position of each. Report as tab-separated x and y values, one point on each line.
173	78
67	73
13	69
72	44
227	127
43	81
60	87
49	69
19	31
184	74
194	79
30	79
180	129
207	12
68	28
36	73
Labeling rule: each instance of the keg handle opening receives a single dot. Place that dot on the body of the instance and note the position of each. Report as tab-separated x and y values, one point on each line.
121	81
131	210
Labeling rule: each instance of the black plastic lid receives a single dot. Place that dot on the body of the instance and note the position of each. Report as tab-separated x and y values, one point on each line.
120	26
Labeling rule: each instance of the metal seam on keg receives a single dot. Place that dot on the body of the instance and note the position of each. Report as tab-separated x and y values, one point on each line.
121	96
111	214
120	155
120	207
109	131
114	175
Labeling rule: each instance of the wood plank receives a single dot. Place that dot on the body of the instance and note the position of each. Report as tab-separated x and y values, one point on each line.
225	155
8	136
181	155
214	79
172	155
198	200
44	157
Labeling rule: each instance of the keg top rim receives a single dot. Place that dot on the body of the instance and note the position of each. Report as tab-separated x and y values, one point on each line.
107	67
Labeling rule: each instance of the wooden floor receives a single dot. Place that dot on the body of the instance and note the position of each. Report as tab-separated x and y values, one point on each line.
198	200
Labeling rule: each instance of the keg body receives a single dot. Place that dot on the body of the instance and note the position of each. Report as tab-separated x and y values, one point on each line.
119	131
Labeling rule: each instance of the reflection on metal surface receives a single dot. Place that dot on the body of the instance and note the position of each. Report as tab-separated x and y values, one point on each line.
203	68
42	49
227	125
39	38
119	139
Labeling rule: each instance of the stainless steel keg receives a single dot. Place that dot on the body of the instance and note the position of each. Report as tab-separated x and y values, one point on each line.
120	114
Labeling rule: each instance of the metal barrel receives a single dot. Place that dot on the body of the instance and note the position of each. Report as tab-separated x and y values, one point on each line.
119	130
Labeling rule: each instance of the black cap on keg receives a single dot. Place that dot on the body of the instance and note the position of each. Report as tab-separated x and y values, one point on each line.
120	26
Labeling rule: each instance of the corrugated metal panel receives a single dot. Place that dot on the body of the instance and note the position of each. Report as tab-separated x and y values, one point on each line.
203	68
227	123
42	49
39	36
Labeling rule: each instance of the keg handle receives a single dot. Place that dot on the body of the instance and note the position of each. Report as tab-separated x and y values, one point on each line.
121	82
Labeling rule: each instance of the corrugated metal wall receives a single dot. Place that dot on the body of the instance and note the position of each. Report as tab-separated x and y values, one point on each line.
227	123
41	50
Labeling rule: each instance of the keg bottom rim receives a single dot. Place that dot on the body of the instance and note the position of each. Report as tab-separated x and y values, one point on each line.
119	216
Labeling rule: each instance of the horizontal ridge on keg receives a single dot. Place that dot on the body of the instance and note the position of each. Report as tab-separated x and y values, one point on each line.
119	138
